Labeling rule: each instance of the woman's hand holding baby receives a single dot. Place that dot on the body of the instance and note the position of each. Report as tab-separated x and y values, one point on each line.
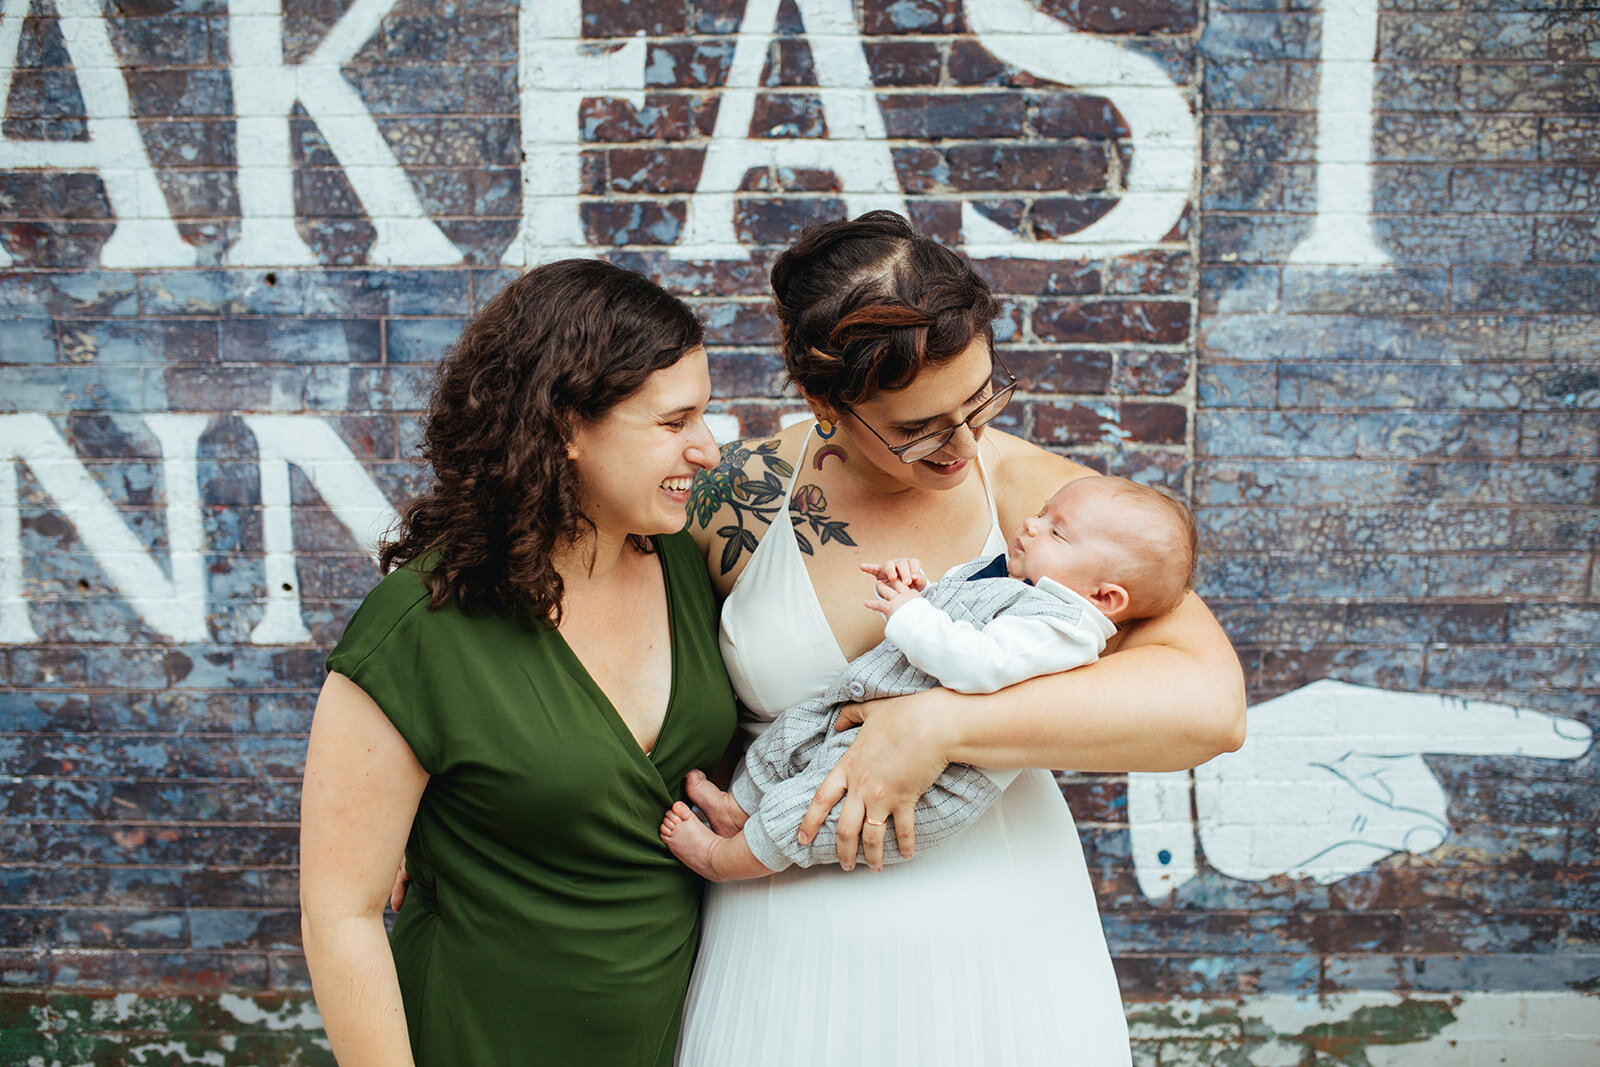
899	582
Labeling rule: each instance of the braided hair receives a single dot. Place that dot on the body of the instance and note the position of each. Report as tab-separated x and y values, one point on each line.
865	304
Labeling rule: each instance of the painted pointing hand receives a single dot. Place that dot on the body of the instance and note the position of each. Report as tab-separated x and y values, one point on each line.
1330	780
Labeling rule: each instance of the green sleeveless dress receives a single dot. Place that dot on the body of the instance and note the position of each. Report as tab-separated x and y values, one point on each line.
546	923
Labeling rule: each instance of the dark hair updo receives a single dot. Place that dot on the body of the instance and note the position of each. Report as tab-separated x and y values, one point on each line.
865	304
565	342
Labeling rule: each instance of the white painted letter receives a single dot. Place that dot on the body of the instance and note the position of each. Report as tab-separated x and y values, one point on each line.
310	444
145	235
175	607
856	149
264	93
1162	132
554	73
1341	232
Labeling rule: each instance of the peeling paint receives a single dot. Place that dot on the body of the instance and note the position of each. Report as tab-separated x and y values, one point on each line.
1350	1030
289	1015
70	1030
1409	1022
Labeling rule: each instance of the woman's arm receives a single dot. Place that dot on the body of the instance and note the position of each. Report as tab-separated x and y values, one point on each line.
1170	697
362	786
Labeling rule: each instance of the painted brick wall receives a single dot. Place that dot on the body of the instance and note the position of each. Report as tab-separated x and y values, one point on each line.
1396	462
1332	274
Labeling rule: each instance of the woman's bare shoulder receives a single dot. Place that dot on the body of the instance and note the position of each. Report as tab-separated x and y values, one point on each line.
732	506
1024	475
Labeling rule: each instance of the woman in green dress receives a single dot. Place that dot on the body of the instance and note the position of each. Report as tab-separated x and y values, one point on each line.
521	697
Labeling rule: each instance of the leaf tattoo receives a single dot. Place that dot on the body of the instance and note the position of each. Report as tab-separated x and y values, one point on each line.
752	500
748	498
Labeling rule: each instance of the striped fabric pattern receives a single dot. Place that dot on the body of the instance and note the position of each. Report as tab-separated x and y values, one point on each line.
784	766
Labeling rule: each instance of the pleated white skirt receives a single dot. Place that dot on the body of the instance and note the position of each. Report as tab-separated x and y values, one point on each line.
987	950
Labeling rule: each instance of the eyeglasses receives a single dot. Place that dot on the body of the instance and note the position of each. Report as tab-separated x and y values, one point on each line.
922	447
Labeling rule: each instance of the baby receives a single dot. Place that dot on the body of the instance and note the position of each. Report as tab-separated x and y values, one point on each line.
1103	551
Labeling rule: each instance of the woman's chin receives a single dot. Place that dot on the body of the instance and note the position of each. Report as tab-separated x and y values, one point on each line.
672	510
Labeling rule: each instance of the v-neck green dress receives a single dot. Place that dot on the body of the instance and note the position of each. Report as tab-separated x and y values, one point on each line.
546	923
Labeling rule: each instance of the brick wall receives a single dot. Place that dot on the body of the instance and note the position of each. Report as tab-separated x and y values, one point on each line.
1396	461
1346	306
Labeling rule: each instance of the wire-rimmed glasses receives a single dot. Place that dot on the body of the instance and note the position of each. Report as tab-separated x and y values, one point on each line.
922	447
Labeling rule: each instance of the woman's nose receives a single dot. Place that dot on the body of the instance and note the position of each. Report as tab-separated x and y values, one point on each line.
702	450
965	442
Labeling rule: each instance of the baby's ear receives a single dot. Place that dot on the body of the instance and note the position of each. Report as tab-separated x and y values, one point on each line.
1111	598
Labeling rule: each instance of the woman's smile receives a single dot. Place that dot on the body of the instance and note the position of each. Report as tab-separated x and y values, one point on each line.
954	466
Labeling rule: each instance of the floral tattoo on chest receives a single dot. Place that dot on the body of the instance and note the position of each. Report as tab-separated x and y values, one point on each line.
731	491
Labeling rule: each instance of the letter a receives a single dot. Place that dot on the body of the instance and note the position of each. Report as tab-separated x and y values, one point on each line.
856	149
145	235
265	90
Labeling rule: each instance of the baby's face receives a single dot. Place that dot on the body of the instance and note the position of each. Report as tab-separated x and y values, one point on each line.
1067	541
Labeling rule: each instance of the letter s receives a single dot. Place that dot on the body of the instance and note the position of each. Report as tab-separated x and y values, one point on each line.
1158	182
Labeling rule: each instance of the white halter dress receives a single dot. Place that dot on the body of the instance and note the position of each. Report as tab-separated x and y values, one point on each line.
987	950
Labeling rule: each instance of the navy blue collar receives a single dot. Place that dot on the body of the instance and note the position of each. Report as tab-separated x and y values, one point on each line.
995	569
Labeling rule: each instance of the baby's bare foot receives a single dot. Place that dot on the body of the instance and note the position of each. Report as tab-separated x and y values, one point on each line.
690	840
727	817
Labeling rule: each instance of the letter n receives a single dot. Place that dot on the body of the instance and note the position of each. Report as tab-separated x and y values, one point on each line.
309	444
174	607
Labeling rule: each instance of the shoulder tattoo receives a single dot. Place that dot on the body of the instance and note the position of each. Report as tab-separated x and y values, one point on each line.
746	487
806	509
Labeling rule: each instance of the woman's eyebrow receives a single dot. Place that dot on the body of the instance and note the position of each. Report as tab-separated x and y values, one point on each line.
915	424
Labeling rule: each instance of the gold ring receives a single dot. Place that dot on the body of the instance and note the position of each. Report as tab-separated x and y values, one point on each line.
877	822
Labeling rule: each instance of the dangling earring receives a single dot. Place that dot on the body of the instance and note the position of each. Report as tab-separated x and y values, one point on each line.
826	429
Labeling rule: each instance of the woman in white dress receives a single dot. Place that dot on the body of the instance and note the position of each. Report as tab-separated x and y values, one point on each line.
989	949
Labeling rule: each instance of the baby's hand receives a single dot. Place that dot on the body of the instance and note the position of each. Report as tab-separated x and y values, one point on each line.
889	597
898	582
907	572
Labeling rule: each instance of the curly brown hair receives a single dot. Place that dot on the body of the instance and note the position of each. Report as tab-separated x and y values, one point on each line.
565	342
864	304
